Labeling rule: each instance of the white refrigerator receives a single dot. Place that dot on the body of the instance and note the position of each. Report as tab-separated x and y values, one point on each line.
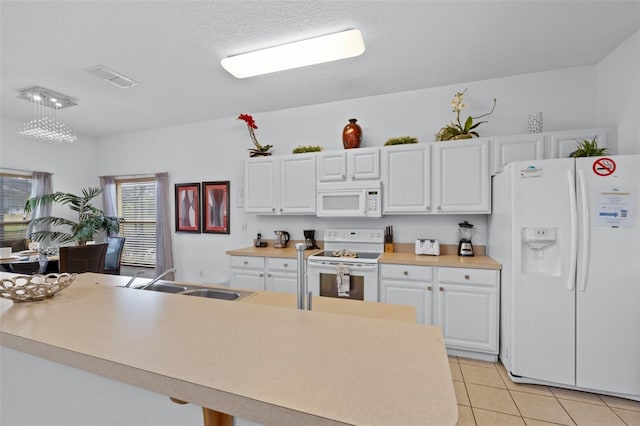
567	233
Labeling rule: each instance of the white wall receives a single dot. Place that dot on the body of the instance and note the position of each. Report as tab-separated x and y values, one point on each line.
619	94
214	150
73	164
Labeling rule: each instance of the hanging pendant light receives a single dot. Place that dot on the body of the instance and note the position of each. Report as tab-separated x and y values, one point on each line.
47	113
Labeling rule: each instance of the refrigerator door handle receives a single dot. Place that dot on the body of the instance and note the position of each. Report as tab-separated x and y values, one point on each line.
584	249
573	211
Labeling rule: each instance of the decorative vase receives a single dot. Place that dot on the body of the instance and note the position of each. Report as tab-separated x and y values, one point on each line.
351	135
462	136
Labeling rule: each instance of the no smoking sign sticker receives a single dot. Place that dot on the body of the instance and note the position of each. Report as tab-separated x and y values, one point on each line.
604	166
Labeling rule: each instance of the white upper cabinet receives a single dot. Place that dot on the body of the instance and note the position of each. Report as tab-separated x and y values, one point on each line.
349	165
564	143
461	179
406	176
298	184
281	185
260	185
507	149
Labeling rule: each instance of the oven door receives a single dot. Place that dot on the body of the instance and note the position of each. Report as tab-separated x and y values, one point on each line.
323	278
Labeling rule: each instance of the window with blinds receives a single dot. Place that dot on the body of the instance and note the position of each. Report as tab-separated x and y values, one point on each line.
137	205
16	190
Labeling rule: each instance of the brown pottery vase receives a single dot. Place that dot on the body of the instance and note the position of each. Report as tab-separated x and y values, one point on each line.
351	135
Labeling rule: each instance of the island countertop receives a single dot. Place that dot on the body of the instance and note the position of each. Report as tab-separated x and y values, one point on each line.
262	362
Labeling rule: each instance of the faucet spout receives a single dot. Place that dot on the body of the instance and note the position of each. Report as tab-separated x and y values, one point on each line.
156	279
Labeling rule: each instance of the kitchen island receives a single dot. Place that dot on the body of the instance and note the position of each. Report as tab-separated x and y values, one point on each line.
265	363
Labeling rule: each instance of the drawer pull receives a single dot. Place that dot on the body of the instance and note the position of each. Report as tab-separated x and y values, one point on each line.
246	262
466	277
286	265
406	273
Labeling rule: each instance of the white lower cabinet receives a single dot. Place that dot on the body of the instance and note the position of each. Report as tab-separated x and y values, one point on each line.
282	275
408	285
462	302
264	273
247	272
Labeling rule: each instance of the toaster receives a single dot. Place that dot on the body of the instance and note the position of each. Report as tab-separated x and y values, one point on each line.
428	247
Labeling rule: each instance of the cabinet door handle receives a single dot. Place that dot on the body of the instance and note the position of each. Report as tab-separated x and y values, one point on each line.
262	275
429	288
280	210
269	275
439	207
466	277
441	288
273	209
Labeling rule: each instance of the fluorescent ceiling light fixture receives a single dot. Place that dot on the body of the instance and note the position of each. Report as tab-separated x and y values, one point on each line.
332	47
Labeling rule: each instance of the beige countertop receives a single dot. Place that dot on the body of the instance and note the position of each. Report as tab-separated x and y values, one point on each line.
402	258
288	252
445	260
252	359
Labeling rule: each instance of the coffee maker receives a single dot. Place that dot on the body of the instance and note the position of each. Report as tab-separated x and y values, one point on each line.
465	233
310	239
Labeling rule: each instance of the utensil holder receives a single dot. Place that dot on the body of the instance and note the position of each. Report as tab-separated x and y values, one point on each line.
388	248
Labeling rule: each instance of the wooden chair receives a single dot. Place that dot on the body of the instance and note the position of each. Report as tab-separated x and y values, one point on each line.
114	255
16	245
89	258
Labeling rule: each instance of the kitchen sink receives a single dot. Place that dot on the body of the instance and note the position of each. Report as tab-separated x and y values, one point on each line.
213	294
166	288
189	290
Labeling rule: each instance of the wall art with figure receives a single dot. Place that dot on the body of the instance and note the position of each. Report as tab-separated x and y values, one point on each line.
188	207
215	207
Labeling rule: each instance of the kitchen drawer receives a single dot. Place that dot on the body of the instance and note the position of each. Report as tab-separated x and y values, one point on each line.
249	262
407	272
281	264
468	276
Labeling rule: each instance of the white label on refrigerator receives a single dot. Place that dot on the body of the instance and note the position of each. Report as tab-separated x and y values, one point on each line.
615	208
530	172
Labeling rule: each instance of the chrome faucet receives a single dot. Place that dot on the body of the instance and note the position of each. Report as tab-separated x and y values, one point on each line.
133	278
156	279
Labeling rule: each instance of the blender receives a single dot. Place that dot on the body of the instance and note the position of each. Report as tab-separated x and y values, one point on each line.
465	233
310	239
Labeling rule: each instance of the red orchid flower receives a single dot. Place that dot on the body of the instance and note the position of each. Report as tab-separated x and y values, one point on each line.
247	118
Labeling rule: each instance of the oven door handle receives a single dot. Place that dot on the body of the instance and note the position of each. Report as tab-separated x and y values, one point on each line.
332	265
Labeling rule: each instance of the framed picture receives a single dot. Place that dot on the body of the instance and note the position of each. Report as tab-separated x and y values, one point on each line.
188	207
215	207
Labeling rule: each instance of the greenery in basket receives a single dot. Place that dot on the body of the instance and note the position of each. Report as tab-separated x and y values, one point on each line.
588	148
90	219
311	148
456	130
401	140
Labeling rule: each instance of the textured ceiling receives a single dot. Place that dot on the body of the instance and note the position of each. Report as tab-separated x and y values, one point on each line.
173	49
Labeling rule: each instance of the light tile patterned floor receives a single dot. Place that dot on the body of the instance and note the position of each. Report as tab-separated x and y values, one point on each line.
487	397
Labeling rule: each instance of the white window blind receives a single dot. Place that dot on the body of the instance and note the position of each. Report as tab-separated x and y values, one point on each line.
137	205
15	190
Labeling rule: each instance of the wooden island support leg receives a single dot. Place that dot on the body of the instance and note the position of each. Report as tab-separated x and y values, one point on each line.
210	417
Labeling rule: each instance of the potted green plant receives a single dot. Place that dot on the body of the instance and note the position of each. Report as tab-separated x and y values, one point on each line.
90	219
588	148
303	148
456	130
401	140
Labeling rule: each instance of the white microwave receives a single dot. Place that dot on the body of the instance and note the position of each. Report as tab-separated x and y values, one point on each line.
349	199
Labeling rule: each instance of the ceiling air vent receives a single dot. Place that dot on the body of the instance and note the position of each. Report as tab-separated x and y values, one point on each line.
111	76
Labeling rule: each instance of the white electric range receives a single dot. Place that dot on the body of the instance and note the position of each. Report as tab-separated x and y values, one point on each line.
348	266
